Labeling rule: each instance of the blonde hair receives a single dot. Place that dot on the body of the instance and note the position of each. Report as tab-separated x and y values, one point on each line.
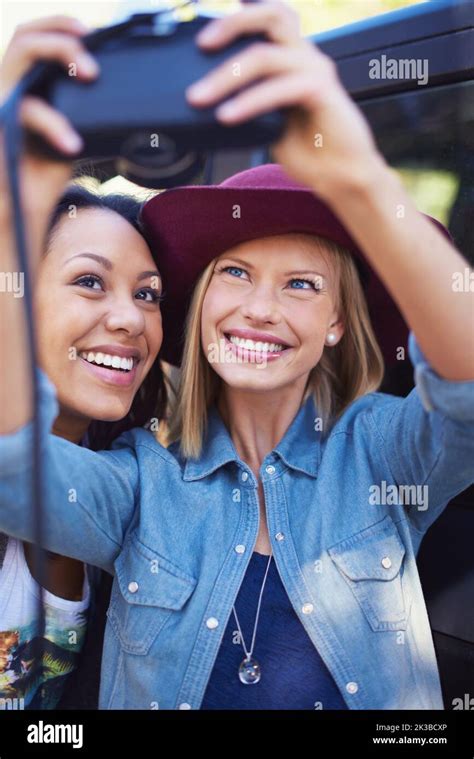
346	371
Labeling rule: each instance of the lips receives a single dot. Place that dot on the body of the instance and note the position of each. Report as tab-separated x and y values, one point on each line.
251	343
109	360
255	340
109	375
256	346
249	351
124	351
114	364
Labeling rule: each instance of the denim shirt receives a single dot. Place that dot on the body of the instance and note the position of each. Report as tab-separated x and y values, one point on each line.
346	514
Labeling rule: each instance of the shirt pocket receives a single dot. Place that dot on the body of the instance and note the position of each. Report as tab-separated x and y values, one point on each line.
371	563
147	590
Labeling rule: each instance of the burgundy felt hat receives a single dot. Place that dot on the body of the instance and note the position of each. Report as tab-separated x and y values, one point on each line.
189	226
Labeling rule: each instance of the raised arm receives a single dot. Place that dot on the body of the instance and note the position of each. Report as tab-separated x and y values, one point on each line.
89	497
42	182
428	441
418	265
328	146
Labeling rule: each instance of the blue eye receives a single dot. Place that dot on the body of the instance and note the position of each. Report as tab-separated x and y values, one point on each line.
304	284
232	270
88	281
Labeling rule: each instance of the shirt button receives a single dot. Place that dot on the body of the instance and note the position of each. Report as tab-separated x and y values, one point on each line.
386	562
240	548
307	608
212	623
270	469
245	476
279	536
133	587
184	706
352	688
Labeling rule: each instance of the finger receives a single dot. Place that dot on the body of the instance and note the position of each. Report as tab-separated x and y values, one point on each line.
45	121
55	46
277	20
280	92
259	60
29	48
57	23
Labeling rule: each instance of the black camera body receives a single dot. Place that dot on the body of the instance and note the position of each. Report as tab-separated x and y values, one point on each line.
135	112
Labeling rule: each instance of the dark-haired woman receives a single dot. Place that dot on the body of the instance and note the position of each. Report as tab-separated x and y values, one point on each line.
97	300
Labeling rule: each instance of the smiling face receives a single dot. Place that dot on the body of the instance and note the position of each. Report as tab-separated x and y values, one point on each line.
98	315
271	304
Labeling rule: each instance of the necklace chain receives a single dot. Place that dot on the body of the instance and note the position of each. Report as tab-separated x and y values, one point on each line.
248	654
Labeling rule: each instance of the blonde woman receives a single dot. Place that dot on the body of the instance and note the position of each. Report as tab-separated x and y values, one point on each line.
259	561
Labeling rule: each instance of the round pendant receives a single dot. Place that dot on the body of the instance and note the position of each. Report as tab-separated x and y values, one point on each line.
249	672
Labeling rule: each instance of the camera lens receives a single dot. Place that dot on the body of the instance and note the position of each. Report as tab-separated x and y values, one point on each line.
154	160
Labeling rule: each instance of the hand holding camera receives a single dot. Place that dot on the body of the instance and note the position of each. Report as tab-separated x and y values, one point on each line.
272	86
327	144
54	39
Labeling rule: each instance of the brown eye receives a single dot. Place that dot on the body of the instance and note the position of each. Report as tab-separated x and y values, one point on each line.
89	281
149	295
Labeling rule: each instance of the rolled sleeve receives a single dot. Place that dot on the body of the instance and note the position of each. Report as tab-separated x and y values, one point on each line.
452	399
428	437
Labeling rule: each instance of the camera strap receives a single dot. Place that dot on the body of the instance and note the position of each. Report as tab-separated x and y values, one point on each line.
13	145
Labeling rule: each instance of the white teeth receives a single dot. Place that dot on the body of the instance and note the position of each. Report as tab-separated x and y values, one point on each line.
259	347
105	359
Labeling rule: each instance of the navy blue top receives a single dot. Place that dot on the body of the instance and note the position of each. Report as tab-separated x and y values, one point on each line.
293	675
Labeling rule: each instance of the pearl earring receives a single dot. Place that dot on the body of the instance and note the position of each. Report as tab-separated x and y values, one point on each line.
330	338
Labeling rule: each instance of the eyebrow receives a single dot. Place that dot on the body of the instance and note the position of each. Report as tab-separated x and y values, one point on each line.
304	271
146	274
248	265
109	265
100	260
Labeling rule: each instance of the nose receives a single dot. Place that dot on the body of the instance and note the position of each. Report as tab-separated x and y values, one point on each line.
125	315
260	305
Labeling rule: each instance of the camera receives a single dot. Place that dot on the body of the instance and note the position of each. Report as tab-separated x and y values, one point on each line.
135	113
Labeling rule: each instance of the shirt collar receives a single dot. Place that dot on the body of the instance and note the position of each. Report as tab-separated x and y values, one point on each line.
299	448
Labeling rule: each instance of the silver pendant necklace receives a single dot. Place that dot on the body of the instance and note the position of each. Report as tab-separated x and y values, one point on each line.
249	670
